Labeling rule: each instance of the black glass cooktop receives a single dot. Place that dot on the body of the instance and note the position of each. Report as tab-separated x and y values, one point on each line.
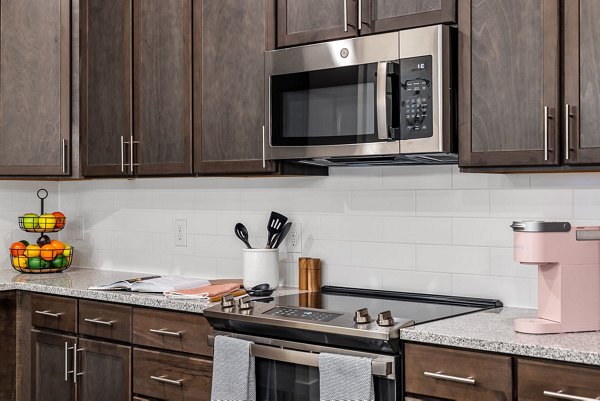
421	308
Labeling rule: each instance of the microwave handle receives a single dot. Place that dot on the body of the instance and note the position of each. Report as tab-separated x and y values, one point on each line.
382	131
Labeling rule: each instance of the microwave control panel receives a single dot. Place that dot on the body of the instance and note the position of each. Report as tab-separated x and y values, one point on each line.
416	120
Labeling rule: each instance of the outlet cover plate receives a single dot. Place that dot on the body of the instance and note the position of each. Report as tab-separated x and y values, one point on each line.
180	232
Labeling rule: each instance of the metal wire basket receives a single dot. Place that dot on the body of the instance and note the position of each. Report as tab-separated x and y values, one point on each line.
44	260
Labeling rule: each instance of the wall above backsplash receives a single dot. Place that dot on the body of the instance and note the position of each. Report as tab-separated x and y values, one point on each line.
422	229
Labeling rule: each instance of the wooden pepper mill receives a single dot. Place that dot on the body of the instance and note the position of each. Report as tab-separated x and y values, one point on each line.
309	274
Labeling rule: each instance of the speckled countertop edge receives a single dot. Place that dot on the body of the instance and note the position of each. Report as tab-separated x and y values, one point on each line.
493	331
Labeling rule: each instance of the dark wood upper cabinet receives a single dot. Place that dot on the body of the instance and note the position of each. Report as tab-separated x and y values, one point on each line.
229	96
105	86
35	87
389	15
163	86
581	122
106	371
307	21
509	82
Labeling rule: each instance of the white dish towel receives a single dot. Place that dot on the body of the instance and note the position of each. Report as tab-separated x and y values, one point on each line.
233	371
345	378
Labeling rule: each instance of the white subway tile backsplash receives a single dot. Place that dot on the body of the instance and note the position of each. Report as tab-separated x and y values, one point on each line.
453	203
403	228
453	259
417	230
482	232
532	204
382	255
417	177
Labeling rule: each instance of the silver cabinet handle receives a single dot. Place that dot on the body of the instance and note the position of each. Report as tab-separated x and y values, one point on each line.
547	117
165	332
381	100
132	154
65	149
568	116
123	154
359	15
345	15
66	361
48	313
75	373
440	375
564	396
101	322
264	161
163	379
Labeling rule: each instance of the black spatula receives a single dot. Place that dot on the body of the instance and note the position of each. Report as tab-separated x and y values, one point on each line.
274	226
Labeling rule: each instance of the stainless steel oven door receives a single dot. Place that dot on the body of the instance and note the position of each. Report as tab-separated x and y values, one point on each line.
289	371
331	99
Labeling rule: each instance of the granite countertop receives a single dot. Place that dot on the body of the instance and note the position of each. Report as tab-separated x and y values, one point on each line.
492	330
74	282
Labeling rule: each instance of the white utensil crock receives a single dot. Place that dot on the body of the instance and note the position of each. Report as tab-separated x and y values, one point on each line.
261	266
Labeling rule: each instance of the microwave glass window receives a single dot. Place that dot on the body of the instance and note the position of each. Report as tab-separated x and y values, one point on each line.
332	111
324	107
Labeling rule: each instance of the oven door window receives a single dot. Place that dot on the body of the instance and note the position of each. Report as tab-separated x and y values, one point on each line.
326	107
282	381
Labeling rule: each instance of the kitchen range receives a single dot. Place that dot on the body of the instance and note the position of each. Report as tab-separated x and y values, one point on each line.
289	332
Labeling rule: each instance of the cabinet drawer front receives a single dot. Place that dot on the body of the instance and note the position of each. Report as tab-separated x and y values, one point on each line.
175	331
454	374
52	312
105	320
536	377
171	377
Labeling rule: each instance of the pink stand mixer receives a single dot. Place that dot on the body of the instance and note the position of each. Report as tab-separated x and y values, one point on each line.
568	260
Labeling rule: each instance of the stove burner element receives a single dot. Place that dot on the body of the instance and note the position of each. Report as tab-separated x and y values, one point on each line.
385	319
361	316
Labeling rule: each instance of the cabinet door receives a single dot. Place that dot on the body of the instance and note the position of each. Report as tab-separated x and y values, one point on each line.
51	367
582	86
8	369
508	82
105	371
163	86
106	118
229	97
34	87
307	21
390	15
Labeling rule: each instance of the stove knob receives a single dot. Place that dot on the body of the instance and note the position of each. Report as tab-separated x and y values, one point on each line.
361	316
385	319
227	301
245	302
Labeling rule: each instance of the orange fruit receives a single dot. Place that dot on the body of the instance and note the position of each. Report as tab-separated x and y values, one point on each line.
48	252
32	251
60	247
60	219
18	249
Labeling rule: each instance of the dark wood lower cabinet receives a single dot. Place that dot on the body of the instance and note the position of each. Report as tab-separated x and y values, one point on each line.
105	370
8	322
51	361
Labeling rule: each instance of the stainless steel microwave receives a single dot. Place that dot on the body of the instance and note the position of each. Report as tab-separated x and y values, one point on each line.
379	99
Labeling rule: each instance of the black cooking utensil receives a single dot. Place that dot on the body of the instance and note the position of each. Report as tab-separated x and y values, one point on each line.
261	290
284	232
242	233
274	226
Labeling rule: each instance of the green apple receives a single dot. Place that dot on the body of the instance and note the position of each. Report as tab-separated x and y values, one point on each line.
34	263
30	221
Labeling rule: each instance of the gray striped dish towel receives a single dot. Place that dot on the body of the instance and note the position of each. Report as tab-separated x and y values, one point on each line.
233	371
345	378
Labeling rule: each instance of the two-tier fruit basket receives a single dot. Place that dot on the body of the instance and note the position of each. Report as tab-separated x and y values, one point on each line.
46	255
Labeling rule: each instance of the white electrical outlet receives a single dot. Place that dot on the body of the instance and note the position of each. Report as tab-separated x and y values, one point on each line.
180	226
294	238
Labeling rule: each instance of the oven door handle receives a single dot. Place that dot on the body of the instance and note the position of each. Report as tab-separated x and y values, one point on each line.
381	368
381	88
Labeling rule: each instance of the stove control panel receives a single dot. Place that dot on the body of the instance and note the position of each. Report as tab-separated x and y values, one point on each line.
304	314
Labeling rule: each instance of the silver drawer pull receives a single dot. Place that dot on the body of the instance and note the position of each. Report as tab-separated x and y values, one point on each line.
101	322
48	313
166	332
440	375
163	379
564	396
